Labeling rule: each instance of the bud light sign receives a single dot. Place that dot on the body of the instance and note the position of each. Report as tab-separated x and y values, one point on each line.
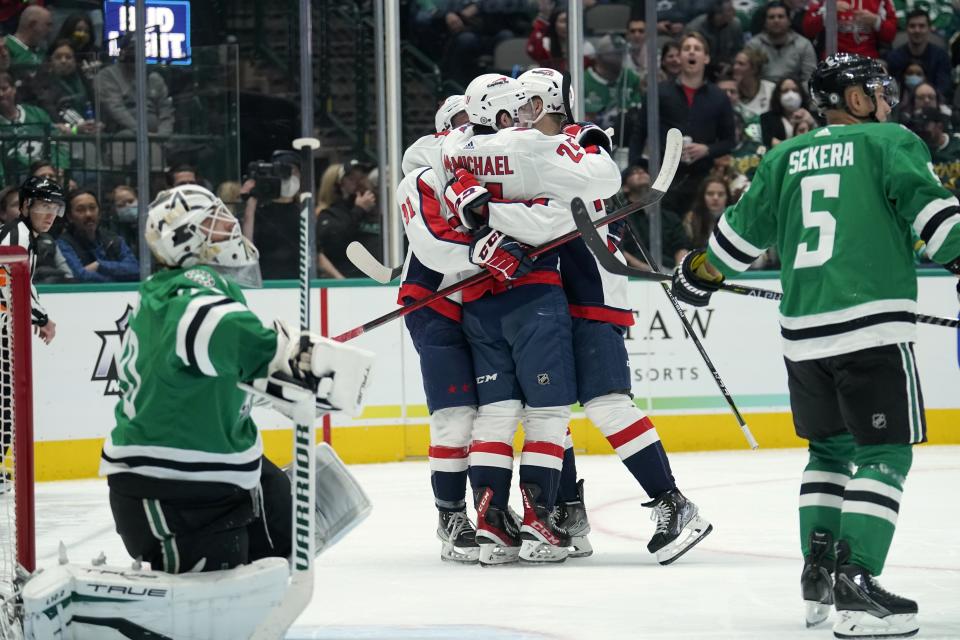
167	29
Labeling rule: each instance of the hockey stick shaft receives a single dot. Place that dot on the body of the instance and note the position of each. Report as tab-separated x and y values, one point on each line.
757	292
751	441
304	479
374	269
667	171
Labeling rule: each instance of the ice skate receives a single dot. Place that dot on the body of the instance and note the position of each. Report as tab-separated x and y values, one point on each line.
570	521
497	533
459	538
816	579
541	542
866	609
679	526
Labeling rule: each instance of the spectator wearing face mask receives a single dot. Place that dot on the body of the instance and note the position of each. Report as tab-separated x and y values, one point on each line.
273	225
933	60
353	215
125	219
94	253
786	112
920	97
78	29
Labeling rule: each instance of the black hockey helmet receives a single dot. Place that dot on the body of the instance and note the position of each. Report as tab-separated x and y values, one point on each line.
40	189
837	72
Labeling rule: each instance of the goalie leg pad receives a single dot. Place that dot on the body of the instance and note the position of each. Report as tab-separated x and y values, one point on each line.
342	503
100	602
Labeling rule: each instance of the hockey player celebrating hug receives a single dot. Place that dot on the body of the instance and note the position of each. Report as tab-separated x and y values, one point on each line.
839	203
190	488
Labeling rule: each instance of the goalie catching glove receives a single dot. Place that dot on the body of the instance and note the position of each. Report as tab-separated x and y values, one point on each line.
500	254
590	136
467	200
336	373
693	281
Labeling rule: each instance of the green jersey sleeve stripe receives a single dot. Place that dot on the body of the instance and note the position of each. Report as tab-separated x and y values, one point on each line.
730	248
197	305
940	236
930	210
206	324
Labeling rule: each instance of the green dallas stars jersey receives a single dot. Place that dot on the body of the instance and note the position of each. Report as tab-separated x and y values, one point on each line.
839	204
190	340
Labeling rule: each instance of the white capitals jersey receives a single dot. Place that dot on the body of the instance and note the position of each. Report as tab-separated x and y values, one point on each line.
439	255
527	167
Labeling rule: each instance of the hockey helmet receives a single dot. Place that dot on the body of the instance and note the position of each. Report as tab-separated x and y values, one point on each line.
552	87
40	189
452	106
837	72
489	94
189	226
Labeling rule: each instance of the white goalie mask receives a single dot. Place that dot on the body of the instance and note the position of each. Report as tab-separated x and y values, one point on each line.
451	107
546	84
189	226
489	94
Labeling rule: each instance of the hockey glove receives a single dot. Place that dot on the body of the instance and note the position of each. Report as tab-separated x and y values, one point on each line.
467	199
501	255
590	136
336	374
692	281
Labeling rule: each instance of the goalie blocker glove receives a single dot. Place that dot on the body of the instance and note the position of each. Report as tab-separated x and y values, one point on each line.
467	199
337	374
590	136
692	282
505	258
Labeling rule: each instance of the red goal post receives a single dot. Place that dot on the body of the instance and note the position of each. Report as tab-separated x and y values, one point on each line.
17	539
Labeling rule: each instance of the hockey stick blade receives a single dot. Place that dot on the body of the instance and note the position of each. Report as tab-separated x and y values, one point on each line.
365	261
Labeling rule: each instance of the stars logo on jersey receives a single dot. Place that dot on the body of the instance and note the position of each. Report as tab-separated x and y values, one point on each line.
201	277
106	367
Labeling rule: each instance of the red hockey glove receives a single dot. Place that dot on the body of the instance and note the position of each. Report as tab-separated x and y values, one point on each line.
467	200
692	282
590	136
501	255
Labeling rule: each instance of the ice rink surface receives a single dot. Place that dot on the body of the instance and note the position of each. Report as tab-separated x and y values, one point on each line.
386	580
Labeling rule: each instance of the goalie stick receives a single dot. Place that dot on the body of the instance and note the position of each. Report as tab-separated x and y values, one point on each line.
598	247
671	159
609	262
374	269
304	476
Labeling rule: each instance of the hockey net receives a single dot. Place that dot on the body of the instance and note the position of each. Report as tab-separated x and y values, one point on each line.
17	553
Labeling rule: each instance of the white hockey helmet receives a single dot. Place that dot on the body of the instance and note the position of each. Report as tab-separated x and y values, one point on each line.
489	94
548	85
189	226
452	106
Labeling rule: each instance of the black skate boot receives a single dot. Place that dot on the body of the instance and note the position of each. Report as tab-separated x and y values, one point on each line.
570	521
679	526
459	538
866	609
816	579
541	542
497	533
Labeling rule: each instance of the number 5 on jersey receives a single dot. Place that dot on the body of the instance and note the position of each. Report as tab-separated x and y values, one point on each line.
829	186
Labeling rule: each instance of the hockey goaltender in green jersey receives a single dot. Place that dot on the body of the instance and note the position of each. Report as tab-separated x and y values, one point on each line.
191	491
841	204
217	342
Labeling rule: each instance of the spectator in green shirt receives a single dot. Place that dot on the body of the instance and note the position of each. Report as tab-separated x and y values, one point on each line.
609	90
26	45
25	132
930	124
